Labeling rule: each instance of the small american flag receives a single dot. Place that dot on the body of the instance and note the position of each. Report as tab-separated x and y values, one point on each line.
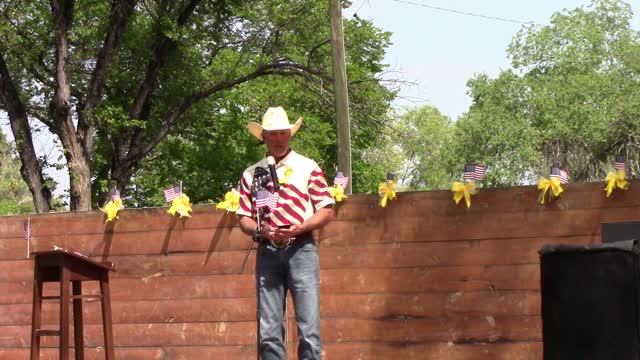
620	164
27	229
473	172
340	179
561	174
266	199
172	192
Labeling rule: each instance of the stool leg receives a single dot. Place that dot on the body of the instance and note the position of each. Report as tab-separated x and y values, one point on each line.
36	313
107	325
64	313
78	340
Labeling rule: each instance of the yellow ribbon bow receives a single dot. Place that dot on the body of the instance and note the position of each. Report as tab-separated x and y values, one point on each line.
387	191
180	204
231	201
616	178
546	184
465	191
112	208
337	191
287	173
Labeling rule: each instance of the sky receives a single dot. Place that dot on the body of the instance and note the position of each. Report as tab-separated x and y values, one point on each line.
437	44
440	44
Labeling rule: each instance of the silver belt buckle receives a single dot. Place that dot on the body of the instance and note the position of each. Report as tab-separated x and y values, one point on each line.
283	244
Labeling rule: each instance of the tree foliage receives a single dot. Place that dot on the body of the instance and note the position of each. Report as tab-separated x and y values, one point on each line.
141	93
424	138
14	194
208	155
572	99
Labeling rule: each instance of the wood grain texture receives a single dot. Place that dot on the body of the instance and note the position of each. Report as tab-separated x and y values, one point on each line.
423	278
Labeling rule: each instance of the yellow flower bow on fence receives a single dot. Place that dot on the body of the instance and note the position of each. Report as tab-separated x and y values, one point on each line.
287	173
465	191
112	208
337	191
552	185
615	179
180	204
231	201
387	191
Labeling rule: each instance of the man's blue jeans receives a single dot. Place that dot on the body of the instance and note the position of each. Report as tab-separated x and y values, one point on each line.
295	268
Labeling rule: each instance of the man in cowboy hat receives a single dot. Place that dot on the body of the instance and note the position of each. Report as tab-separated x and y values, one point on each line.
287	257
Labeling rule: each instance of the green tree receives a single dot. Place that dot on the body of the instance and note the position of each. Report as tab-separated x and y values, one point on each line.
15	197
425	137
496	132
208	155
572	99
114	80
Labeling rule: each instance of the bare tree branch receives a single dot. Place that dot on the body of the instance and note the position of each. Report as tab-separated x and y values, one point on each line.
281	67
160	53
142	98
78	160
121	11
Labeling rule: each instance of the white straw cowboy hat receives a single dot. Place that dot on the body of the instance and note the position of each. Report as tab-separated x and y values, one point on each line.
274	119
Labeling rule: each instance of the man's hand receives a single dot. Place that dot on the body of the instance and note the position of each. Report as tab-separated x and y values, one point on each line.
280	236
286	233
267	232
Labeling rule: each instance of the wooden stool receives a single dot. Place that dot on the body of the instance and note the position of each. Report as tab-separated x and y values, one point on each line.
68	268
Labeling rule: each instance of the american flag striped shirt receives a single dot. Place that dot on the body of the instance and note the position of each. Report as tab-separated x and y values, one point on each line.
473	172
306	191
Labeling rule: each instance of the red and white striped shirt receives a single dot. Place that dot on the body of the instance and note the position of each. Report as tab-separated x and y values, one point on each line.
305	191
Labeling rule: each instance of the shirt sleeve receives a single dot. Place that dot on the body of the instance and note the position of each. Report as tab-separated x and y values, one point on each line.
319	190
246	204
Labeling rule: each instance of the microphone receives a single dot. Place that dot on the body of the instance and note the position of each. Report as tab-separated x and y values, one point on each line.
271	162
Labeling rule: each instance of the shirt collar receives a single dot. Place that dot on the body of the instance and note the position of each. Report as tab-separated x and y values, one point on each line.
285	159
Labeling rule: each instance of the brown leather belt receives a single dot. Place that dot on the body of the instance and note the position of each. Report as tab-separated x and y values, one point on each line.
288	242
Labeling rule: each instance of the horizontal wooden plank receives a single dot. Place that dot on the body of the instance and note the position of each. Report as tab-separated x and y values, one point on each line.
432	279
13	248
585	196
479	226
129	220
512	199
441	351
332	351
240	352
13	226
362	255
338	281
337	234
361	306
143	243
469	329
16	270
423	265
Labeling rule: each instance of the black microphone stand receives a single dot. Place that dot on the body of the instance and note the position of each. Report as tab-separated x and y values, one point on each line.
257	236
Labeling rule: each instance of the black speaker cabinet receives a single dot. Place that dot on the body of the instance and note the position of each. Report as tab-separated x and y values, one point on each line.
620	231
590	299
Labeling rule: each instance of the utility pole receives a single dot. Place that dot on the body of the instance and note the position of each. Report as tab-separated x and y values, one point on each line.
341	93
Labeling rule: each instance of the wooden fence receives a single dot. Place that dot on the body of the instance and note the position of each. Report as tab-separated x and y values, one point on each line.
423	278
